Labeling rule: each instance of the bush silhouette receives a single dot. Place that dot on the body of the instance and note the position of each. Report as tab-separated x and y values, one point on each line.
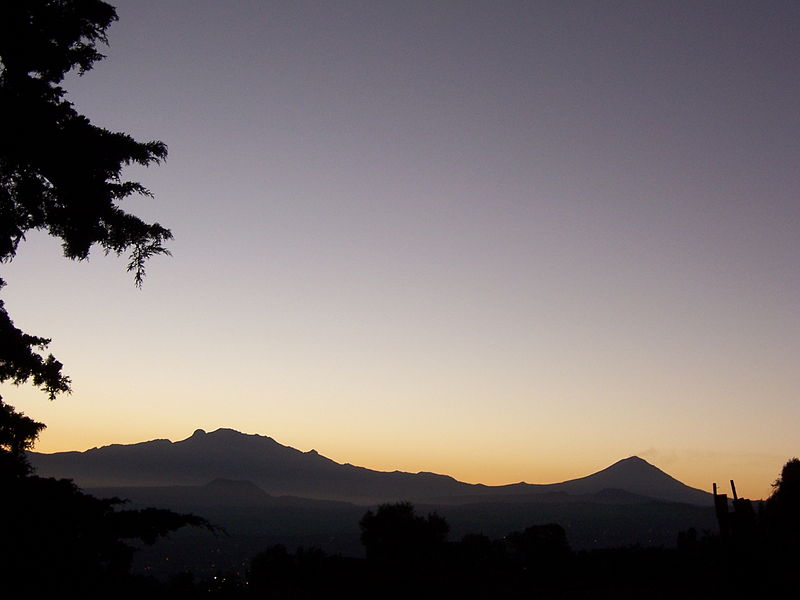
395	534
781	515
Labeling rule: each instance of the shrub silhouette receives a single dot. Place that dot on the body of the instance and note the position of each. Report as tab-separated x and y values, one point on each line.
395	534
781	515
540	551
55	538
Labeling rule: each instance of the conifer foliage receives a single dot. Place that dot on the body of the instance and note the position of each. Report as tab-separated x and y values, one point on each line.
60	173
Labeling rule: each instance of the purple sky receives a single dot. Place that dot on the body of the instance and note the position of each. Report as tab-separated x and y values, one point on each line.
505	240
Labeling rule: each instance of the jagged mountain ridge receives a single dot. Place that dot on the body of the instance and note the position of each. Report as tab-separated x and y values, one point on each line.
282	470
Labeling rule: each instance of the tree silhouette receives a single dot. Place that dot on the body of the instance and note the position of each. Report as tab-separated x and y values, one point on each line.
56	538
541	552
781	515
405	551
58	172
786	489
539	544
395	534
61	174
17	435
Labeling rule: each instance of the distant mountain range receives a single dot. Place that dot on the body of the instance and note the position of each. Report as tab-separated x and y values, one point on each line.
251	469
264	493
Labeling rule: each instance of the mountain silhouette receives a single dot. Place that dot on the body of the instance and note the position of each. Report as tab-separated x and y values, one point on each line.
632	476
249	467
637	476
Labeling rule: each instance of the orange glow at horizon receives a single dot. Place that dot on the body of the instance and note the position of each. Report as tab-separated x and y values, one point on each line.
753	474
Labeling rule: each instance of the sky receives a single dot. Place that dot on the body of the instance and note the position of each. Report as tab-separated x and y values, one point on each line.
505	241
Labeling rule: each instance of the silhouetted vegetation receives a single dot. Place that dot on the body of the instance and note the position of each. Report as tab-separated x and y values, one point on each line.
54	537
394	534
409	556
781	515
59	173
17	435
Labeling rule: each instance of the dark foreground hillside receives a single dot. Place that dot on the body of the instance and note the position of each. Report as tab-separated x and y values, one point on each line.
253	520
333	528
407	555
78	544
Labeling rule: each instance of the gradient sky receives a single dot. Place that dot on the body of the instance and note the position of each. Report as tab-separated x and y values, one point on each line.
505	241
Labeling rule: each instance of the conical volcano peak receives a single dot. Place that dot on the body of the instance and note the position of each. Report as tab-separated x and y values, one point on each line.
634	462
636	475
632	467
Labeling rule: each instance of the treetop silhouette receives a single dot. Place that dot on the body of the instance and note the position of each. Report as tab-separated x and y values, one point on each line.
61	174
395	533
58	172
782	510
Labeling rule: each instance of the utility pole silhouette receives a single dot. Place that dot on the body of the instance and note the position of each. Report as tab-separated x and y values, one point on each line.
738	523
